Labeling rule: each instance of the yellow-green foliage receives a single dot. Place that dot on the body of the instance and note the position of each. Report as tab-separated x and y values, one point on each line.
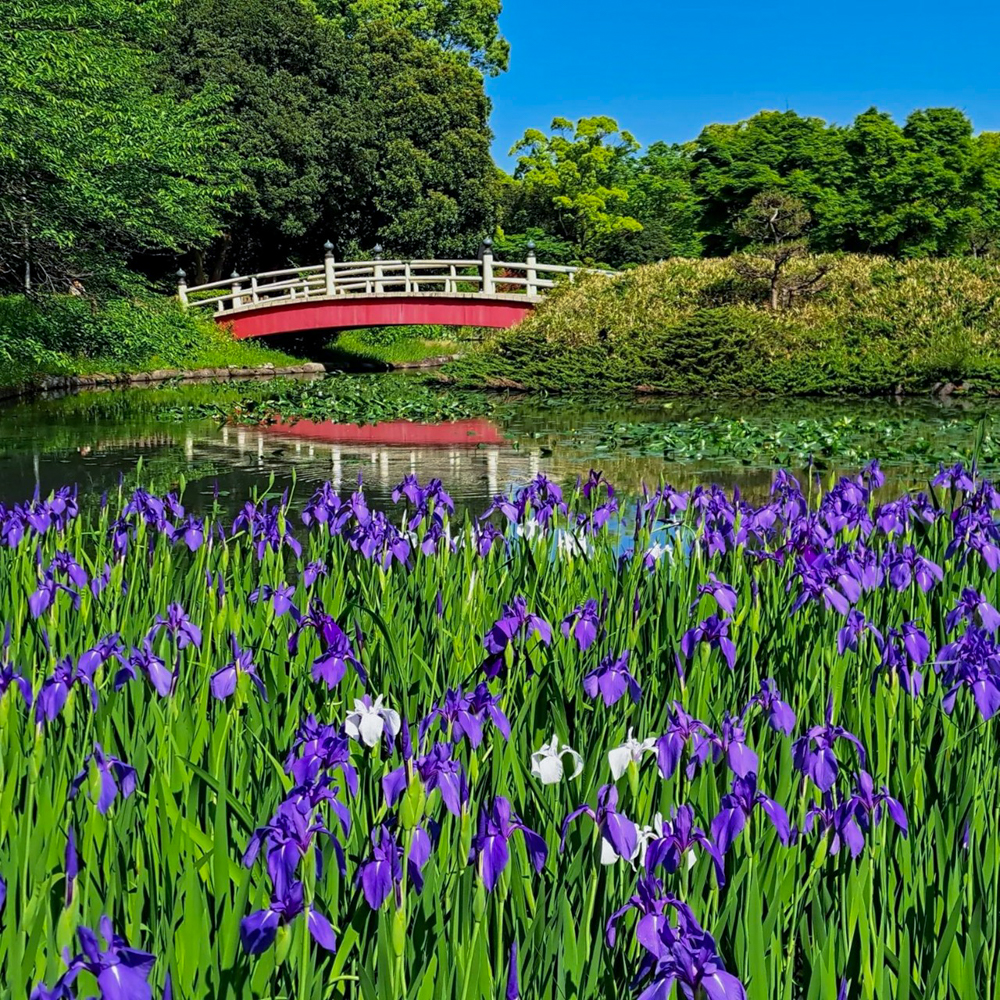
875	325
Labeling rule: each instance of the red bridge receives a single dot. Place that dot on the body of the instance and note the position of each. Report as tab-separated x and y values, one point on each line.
339	295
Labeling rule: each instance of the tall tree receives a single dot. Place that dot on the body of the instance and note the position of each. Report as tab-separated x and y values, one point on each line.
465	26
95	166
574	182
381	137
773	150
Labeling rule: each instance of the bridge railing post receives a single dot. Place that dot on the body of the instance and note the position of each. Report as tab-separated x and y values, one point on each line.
377	254
331	283
182	288
406	276
254	296
451	285
488	286
237	288
531	272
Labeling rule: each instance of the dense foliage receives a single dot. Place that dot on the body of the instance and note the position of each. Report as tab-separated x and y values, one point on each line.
64	335
928	187
876	326
544	753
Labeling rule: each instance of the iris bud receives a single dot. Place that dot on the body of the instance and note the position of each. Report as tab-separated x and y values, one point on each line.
633	777
479	902
399	932
411	809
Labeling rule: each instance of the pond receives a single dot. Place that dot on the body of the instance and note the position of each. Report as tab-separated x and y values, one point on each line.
147	435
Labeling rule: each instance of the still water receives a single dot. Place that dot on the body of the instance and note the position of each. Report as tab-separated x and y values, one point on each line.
94	439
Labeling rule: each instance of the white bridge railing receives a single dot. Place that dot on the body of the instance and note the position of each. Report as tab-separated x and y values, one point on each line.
484	278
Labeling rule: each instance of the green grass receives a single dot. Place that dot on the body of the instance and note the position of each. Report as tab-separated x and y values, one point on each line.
394	346
912	917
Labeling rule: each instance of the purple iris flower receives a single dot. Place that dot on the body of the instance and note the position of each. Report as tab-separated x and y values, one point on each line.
490	849
108	648
327	507
280	598
293	832
674	847
43	598
906	566
539	500
115	776
736	809
11	677
972	660
156	670
813	754
723	594
651	904
427	501
903	650
190	531
259	929
611	679
971	607
223	682
615	827
515	621
382	872
730	741
375	537
486	537
688	957
122	973
715	632
3	894
267	527
319	750
681	728
313	572
583	623
780	716
55	690
64	563
100	582
847	820
955	478
855	627
336	651
178	626
436	769
464	714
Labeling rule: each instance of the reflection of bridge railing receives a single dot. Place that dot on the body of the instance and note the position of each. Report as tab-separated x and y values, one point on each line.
482	278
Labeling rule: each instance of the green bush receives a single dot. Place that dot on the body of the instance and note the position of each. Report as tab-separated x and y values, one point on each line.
695	326
64	335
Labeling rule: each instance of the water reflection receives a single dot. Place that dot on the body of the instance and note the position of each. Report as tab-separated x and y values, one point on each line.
93	440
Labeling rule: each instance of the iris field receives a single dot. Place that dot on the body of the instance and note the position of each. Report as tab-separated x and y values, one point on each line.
581	747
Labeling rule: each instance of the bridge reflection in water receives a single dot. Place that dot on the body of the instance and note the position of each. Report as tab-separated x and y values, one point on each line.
470	456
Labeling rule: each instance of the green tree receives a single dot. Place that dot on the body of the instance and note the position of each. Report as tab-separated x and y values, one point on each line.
378	138
466	26
915	185
95	166
573	183
775	225
773	150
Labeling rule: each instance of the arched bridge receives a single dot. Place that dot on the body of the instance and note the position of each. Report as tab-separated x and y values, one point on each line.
347	295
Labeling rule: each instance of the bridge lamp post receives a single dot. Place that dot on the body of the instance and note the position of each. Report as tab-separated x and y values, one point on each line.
487	258
182	288
530	274
237	288
331	284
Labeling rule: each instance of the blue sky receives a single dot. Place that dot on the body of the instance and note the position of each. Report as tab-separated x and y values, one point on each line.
665	69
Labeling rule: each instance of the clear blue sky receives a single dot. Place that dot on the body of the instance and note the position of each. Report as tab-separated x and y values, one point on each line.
665	69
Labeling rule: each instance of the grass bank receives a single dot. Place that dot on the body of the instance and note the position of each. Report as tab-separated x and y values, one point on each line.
874	326
74	336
